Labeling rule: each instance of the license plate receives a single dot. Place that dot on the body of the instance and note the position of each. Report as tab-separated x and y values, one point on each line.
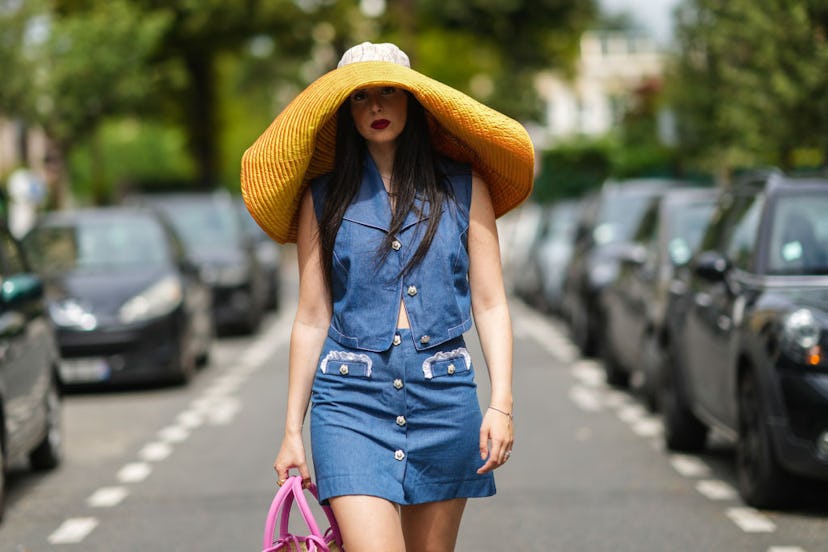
84	370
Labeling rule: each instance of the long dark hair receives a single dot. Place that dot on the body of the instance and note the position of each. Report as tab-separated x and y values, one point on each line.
417	172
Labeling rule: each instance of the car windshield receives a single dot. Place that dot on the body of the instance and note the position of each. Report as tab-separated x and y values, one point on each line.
204	224
93	244
799	235
686	224
619	216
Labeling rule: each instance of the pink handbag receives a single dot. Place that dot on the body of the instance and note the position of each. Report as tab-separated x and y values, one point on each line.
279	515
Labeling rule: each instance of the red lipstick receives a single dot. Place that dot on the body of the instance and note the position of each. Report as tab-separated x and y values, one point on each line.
380	124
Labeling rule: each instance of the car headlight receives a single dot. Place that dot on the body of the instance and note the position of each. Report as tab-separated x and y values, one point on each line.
801	333
71	313
157	300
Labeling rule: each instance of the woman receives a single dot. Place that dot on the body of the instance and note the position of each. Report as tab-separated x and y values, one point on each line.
369	170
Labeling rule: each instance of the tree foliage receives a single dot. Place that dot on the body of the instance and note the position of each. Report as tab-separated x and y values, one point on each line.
749	82
211	67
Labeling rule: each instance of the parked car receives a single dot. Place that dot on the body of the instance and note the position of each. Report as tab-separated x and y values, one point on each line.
607	222
213	234
30	399
635	303
748	335
540	283
127	303
269	255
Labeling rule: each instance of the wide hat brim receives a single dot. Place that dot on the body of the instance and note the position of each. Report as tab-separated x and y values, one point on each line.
299	144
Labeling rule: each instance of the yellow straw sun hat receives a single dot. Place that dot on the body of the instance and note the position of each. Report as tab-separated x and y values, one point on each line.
299	144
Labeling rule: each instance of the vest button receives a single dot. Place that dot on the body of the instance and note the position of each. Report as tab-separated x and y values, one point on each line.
398	384
412	290
396	245
425	339
343	369
399	455
450	369
397	339
400	421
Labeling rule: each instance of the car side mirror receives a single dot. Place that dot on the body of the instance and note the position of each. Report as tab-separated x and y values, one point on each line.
20	287
711	266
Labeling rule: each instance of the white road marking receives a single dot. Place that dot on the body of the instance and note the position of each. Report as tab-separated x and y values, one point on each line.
617	399
649	426
107	497
190	419
586	398
631	413
785	549
750	520
223	411
716	490
73	530
155	452
134	472
689	466
588	374
174	434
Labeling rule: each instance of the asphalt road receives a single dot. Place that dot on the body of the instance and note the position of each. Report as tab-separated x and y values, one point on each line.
189	468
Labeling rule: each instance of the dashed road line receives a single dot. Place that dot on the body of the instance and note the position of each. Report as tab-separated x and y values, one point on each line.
215	406
592	394
716	490
73	530
689	466
107	497
155	452
750	520
134	472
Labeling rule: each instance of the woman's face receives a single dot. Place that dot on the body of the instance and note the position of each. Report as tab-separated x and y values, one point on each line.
379	113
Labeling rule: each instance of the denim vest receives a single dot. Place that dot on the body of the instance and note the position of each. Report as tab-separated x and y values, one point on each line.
366	292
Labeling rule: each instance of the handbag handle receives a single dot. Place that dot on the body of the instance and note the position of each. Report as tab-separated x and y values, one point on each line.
280	508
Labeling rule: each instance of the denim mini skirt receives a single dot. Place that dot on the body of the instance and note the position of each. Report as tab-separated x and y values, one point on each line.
402	424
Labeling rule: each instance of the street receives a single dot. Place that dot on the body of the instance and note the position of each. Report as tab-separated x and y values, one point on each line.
189	468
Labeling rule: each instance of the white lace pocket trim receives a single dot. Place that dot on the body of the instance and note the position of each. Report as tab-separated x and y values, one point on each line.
445	355
344	356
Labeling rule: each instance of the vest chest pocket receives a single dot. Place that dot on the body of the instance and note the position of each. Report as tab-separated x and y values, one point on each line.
359	238
346	364
446	364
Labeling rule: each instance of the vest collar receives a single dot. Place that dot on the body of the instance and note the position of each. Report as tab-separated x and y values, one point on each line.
372	207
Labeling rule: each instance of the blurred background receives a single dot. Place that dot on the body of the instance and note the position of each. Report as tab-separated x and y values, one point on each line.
670	269
102	98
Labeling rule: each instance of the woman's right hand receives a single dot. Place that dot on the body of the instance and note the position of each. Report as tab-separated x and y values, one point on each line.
292	455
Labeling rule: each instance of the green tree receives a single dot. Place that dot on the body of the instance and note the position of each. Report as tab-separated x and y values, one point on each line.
748	84
71	71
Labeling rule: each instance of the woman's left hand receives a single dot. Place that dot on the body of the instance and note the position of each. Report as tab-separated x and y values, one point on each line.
496	439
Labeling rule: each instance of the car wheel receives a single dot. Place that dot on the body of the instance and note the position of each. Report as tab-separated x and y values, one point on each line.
615	374
762	481
682	430
187	362
49	452
581	334
2	478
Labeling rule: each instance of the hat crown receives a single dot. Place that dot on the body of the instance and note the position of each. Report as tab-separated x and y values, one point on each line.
368	51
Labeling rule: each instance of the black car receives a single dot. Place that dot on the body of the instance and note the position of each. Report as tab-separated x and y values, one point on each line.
127	303
269	255
212	229
748	335
634	304
540	280
30	400
607	222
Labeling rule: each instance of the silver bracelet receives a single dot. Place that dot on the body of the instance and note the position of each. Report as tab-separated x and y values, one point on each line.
509	414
